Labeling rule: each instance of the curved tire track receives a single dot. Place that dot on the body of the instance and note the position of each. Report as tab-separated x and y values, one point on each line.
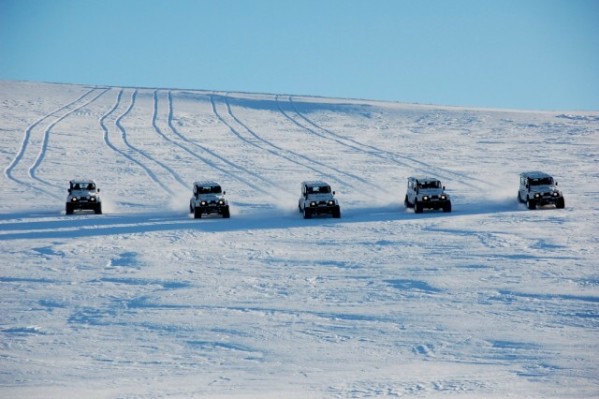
143	154
44	145
124	139
26	142
372	150
278	151
240	136
209	163
175	175
8	171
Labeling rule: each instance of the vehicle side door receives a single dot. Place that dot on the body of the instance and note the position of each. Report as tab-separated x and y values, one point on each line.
523	189
196	195
411	191
303	196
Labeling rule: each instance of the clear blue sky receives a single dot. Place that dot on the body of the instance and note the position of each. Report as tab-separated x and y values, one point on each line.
524	54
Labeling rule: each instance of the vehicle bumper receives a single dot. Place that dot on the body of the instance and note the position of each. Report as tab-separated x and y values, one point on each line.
84	205
322	210
542	201
435	204
212	209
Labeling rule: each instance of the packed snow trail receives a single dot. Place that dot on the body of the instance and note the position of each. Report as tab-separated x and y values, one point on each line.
406	162
304	161
28	141
44	144
8	171
221	163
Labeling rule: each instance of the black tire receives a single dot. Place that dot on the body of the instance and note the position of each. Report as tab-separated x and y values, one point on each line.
98	209
69	209
531	204
418	207
307	213
447	207
561	203
225	212
337	212
197	213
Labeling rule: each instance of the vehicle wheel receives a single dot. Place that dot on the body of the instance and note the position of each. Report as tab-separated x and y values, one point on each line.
190	207
226	213
69	209
531	204
520	198
307	213
299	207
337	212
447	207
419	207
197	214
98	209
561	203
406	203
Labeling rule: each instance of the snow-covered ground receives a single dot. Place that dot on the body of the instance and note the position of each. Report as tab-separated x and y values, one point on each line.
491	300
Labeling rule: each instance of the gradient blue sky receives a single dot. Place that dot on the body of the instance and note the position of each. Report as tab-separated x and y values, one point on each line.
520	54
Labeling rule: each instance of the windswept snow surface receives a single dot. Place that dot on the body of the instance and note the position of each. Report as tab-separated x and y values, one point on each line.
491	300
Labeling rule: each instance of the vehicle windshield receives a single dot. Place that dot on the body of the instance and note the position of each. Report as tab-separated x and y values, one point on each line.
429	184
543	181
319	190
83	186
209	190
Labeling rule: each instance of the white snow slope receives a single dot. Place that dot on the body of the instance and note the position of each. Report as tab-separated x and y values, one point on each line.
489	301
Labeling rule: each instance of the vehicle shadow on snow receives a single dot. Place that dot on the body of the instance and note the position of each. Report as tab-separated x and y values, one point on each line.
44	225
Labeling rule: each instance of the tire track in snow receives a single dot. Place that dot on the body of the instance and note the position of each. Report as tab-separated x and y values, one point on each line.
123	135
134	149
27	141
161	134
44	145
209	163
370	184
105	131
281	152
375	151
331	136
8	171
240	136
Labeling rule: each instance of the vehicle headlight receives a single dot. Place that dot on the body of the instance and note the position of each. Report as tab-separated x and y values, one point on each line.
203	203
74	199
221	202
537	195
331	202
92	199
443	197
313	203
555	194
425	198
